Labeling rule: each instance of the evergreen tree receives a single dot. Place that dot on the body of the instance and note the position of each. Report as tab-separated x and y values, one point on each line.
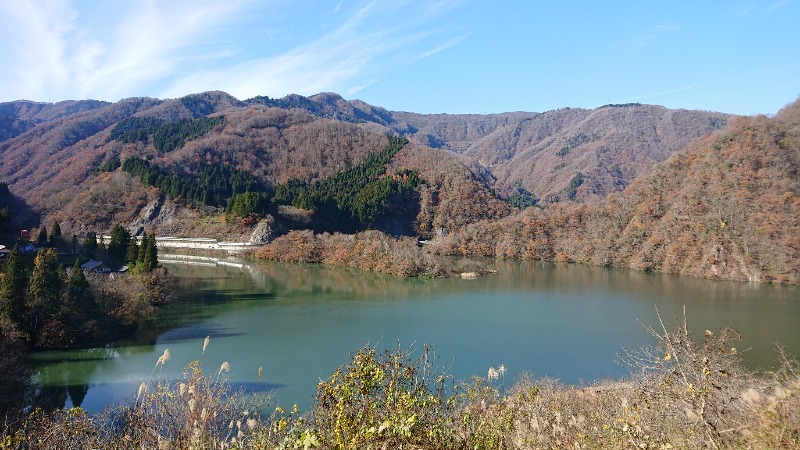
118	246
149	253
90	243
45	289
142	251
132	253
5	221
153	253
55	232
13	288
42	239
79	298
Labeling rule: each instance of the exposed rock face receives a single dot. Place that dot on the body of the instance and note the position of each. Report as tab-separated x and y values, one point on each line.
160	215
263	232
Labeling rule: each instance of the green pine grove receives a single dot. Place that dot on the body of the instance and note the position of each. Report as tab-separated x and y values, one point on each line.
349	201
164	137
50	307
211	185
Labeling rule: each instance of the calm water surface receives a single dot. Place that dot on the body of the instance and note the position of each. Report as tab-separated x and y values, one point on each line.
301	322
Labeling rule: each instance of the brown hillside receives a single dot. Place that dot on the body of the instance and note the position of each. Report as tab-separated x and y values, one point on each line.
455	193
20	116
454	132
608	146
54	165
727	207
60	154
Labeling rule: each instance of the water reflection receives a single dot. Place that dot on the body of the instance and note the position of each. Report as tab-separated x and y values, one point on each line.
300	322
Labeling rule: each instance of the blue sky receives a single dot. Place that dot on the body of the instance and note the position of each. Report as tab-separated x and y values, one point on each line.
460	56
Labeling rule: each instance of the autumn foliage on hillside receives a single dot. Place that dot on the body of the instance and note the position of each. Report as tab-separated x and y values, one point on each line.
77	168
453	193
726	208
369	250
609	146
723	207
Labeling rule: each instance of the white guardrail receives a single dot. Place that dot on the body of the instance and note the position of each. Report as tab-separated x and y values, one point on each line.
199	243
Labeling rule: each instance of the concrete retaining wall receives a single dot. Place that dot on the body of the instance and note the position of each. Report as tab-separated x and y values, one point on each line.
197	243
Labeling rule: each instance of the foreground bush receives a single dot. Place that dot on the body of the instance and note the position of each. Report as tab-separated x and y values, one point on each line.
683	394
388	401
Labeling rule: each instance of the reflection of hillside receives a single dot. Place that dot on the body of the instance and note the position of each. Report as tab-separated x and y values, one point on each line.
708	304
298	280
292	281
57	382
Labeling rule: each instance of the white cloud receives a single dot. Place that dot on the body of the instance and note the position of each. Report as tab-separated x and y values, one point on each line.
58	54
173	48
153	42
343	60
34	47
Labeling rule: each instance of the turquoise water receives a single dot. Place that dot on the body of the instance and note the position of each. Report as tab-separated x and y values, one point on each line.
301	322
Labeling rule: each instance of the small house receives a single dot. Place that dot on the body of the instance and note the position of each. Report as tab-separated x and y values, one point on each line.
95	266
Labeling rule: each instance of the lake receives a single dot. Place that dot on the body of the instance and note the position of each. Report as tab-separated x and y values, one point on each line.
300	322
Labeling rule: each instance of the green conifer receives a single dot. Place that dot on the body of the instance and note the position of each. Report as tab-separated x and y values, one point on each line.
13	288
45	289
149	253
42	238
55	232
132	253
153	253
118	245
142	251
79	297
90	242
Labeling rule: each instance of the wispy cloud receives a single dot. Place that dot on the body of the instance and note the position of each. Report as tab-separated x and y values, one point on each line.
757	8
667	26
444	46
697	85
643	40
60	51
33	37
61	54
650	36
345	60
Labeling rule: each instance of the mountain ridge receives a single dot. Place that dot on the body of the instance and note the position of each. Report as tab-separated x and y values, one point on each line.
725	207
471	168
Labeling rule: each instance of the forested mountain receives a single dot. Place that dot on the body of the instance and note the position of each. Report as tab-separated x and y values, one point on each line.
20	116
577	154
211	165
81	169
726	207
